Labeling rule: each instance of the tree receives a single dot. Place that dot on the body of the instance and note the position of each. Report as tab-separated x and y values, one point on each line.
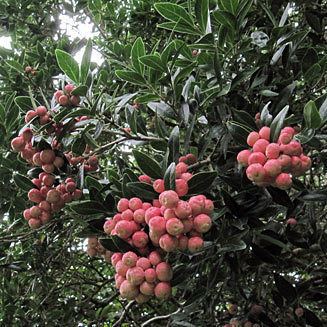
184	88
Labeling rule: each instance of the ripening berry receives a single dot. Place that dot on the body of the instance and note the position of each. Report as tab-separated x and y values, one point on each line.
186	176
159	185
109	226
18	144
197	204
115	258
48	168
191	158
188	225
139	216
135	275
44	190
168	243
260	146
169	199
257	157
45	205
162	291
129	259
27	134
118	280
47	156
127	215
150	275
77	194
291	221
53	196
296	165
208	207
273	167
45	217
122	205
283	181
181	187
144	263
128	291
174	226
70	187
69	88
48	180
294	148
285	162
243	157
181	168
135	203
142	298
35	195
41	111
151	212
182	243
169	213
140	239
145	179
183	210
195	244
156	203
35	212
252	138
164	272
299	312
272	151
306	162
147	288
121	268
63	100
146	206
158	225
31	114
34	223
285	138
154	258
75	100
256	309
44	119
255	173
58	94
289	130
202	223
124	229
264	133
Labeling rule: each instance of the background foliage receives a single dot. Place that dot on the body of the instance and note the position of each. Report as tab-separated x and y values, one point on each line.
198	71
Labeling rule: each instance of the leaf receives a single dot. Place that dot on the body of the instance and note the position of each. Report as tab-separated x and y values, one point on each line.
202	14
323	110
23	182
224	18
285	288
265	116
173	145
170	177
238	131
131	77
116	244
229	5
88	207
311	115
311	318
201	182
142	190
138	50
148	165
68	65
154	62
86	61
179	27
174	13
15	65
24	103
92	182
80	90
277	124
78	146
268	93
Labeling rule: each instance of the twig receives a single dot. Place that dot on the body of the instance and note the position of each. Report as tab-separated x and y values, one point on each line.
146	323
118	322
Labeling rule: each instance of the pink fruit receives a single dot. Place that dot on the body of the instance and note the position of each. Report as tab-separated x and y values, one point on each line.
58	94
109	226
299	312
152	212
174	226
294	148
69	88
154	258
53	196
45	205
162	291
35	212
296	164
58	162
150	275
93	161
124	229
283	181
140	239
129	259
147	288
127	215
158	225
45	217
141	298
75	100
18	144
48	180
181	187
197	204
272	151
291	221
77	194
139	216
41	111
183	210
255	173
118	280
145	179
71	187
146	206
273	167
191	158
169	213
122	205
27	134
252	138
186	176
144	263
264	133
289	130
208	207
182	243
35	195
260	146
48	168
37	182
164	272
181	168
285	162
159	185
168	243
243	157
135	275
115	258
121	268
156	203
285	138
128	291
188	225
135	203
257	157
30	115
202	223
306	162
47	156
169	199
63	100
34	223
195	244
27	214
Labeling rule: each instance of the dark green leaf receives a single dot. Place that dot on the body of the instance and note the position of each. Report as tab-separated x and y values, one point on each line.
131	77
174	12
23	182
88	207
202	13
68	65
173	145
225	18
148	165
201	182
142	190
80	90
86	61
153	61
138	50
170	177
277	124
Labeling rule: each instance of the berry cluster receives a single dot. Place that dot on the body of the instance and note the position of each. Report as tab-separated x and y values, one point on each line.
169	223
94	248
90	163
273	163
65	97
42	114
140	278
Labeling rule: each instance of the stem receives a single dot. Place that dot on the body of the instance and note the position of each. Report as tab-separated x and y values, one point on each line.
159	318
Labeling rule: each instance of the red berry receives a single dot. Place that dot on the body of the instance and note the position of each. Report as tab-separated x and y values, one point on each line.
202	223
162	291
195	244
252	138
169	199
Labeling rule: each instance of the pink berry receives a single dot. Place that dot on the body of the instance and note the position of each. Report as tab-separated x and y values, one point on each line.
208	207
34	223
285	138
127	215
129	259
202	223
135	275
257	157
260	146
122	205
181	168
291	221
140	239
168	243
186	176
283	181
147	288
169	199
128	291
197	204
150	275
181	187
195	244
264	133
35	195
53	196
135	203
139	216
252	138
158	225
121	268
183	209
273	167
159	185
144	263
285	162
164	272
18	144
255	172
152	212
162	291
182	243
41	111
174	226
243	157
154	258
47	156
124	229
272	151
115	258
145	179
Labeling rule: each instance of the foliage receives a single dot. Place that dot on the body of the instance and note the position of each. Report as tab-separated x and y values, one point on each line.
178	77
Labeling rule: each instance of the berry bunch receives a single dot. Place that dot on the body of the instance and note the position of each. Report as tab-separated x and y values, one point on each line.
90	163
140	278
42	114
65	97
94	248
273	163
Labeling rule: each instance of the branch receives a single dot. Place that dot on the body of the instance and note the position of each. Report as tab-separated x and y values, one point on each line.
128	306
146	323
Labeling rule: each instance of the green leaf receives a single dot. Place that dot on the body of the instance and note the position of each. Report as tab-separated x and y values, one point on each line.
238	131
202	13
323	110
142	190
80	90
116	244
311	115
154	62
24	103
277	124
229	5
268	93
86	61
148	165
92	182
131	77
15	65
201	182
138	50
78	146
225	18
173	145
170	177
88	207
23	182
174	13
68	65
180	28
